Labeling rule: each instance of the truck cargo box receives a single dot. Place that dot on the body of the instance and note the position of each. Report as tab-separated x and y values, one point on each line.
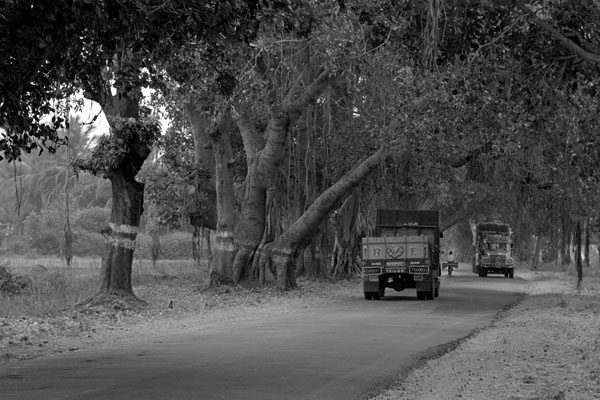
397	247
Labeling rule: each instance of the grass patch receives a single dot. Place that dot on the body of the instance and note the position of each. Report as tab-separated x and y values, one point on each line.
53	287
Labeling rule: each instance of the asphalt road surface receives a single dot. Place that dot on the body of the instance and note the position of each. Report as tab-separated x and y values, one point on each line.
346	350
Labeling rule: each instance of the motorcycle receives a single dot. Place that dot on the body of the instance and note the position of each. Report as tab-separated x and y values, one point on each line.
450	266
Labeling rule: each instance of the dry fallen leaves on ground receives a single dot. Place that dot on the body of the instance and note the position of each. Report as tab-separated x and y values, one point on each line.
23	337
547	347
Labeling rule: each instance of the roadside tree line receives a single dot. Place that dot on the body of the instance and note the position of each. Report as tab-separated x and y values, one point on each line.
292	121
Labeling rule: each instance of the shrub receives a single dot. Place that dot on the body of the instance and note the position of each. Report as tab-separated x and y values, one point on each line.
45	231
91	219
11	284
19	244
174	245
88	244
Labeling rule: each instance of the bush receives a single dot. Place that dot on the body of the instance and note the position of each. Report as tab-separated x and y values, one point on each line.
19	244
12	284
88	244
174	245
91	219
45	231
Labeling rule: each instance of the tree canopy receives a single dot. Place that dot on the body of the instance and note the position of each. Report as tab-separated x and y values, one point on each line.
478	108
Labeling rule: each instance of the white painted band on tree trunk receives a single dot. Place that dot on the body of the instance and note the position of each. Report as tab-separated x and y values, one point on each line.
224	234
129	229
223	246
121	242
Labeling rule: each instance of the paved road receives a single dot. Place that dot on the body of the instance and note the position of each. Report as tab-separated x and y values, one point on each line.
339	351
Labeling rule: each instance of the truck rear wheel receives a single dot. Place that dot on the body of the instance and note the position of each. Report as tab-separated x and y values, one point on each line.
421	295
381	291
511	274
431	292
368	295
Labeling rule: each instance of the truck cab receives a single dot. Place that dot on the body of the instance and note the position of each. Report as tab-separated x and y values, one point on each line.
493	251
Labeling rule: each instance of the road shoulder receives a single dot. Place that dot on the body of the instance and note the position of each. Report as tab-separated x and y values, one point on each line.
545	347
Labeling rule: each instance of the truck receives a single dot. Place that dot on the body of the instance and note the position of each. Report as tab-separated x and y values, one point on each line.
403	253
493	250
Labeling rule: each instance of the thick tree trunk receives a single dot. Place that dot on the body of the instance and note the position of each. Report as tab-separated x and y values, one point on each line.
127	208
124	223
284	251
224	249
205	163
250	229
263	167
348	230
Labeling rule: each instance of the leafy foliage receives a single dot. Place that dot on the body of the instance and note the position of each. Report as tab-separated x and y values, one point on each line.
127	134
53	49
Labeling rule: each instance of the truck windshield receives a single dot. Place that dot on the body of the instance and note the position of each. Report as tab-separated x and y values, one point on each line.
497	246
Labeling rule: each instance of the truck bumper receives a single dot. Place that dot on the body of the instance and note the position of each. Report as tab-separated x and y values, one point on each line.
498	269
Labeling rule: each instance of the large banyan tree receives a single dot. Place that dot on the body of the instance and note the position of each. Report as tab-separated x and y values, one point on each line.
119	157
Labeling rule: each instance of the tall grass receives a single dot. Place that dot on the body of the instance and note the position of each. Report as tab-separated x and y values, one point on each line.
54	287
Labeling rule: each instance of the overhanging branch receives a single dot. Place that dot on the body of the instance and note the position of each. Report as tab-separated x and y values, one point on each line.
570	44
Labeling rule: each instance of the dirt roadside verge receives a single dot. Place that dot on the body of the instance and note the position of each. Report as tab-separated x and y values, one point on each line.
75	328
546	347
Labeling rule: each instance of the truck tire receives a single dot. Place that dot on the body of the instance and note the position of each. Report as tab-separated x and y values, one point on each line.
376	296
420	295
381	292
511	274
431	292
368	295
437	292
